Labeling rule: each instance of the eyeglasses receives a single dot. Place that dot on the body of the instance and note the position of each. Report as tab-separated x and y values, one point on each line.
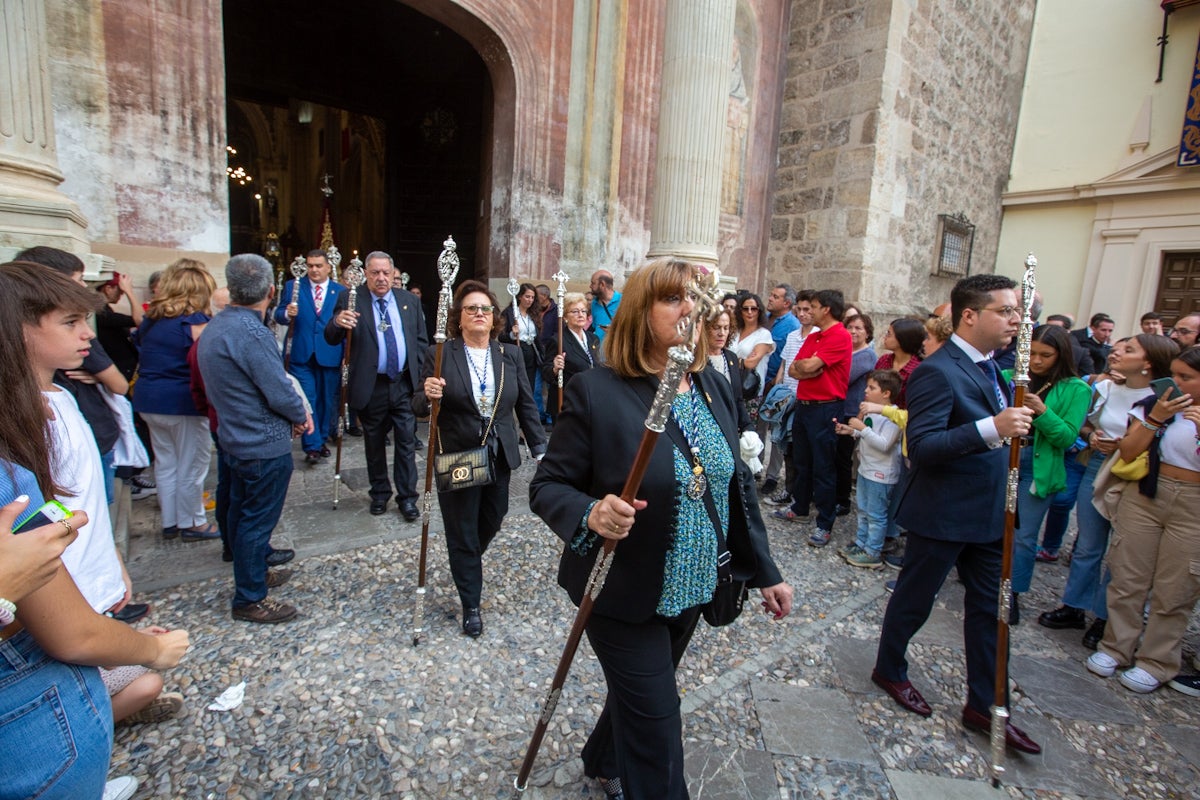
577	311
1183	331
1004	311
749	308
473	310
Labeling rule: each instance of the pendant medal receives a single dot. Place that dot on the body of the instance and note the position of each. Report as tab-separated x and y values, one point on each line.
698	483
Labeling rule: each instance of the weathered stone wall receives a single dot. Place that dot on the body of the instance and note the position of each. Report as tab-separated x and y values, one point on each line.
894	111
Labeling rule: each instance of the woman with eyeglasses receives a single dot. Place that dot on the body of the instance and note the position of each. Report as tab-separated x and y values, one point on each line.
753	345
484	390
720	358
580	348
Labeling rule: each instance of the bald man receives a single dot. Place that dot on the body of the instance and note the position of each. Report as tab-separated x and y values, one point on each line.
605	300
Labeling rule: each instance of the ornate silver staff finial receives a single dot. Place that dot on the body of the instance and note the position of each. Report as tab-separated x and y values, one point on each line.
514	288
404	279
1025	336
447	267
335	259
298	268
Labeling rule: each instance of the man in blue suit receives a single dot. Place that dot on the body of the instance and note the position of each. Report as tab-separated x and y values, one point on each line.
315	363
952	501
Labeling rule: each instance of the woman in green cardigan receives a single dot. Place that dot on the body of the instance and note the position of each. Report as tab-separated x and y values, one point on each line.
1059	401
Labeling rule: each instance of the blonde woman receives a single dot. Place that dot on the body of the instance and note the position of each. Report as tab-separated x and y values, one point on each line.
162	395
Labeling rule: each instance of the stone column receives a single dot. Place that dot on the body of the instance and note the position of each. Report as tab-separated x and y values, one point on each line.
32	209
691	129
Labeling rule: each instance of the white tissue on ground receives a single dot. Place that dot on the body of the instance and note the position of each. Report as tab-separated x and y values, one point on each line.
229	699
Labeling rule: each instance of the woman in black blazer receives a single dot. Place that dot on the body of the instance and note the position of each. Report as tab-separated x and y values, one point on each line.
580	348
665	568
479	376
523	327
725	361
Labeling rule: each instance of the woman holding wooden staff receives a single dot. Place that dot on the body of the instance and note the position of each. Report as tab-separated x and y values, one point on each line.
578	348
482	383
703	513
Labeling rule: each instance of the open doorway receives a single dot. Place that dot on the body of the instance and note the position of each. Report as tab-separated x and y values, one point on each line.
370	113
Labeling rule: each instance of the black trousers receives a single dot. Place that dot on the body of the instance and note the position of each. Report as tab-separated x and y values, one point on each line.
472	518
927	562
390	411
639	736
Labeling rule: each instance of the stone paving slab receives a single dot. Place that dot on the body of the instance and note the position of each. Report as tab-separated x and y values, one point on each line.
804	778
1067	689
855	658
810	721
944	628
728	773
1184	739
918	786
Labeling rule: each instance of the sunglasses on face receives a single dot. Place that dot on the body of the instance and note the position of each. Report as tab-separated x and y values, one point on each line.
475	310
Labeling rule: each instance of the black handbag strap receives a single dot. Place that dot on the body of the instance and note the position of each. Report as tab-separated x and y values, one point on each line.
645	391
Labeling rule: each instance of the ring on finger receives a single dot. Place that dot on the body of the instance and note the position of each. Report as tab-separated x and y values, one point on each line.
66	525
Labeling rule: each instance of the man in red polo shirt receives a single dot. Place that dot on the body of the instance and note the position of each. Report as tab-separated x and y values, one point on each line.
822	368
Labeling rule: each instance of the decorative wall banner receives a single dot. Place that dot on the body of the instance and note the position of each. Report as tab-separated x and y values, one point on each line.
1189	142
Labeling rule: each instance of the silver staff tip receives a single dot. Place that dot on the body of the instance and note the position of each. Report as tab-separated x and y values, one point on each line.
449	244
1030	260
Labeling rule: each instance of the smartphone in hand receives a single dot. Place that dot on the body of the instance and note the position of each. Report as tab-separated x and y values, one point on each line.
1162	385
52	511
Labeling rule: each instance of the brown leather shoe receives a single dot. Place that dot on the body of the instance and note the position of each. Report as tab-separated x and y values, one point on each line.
267	611
1014	737
278	578
904	693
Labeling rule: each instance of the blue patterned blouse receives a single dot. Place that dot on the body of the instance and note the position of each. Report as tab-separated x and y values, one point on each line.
690	573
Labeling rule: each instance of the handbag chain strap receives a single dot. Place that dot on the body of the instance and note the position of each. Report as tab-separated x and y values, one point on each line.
492	418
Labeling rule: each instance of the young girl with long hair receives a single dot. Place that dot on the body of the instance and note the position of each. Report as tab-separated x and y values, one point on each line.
43	326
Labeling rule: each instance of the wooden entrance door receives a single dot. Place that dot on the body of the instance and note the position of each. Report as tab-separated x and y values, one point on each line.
1179	287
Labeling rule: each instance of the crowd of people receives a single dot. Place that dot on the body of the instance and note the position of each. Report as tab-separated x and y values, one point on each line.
910	437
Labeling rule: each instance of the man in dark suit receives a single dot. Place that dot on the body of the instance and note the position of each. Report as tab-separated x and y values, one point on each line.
385	366
952	500
1096	339
315	363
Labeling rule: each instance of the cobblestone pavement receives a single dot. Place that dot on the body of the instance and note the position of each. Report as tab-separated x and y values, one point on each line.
339	703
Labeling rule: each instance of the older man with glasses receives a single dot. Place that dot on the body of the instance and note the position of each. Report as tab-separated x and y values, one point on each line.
1186	330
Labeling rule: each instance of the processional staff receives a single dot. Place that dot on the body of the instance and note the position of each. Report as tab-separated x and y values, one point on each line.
353	278
447	267
561	277
299	270
703	290
335	259
1000	712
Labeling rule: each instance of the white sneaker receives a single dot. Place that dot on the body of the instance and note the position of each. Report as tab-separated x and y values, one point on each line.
1138	680
1102	664
121	788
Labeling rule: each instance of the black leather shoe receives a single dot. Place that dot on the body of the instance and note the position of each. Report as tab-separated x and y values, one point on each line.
1014	737
843	510
354	430
378	507
1014	612
1094	634
132	612
472	622
904	693
312	457
409	509
325	452
277	557
1063	617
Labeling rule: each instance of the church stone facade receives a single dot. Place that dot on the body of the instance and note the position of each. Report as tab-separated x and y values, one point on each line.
849	126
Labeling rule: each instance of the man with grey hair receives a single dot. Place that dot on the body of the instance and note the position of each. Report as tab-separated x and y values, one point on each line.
389	342
259	412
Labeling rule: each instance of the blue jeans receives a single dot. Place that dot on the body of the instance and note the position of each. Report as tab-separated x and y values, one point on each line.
1059	515
257	489
110	473
1087	582
814	454
1030	511
56	728
874	515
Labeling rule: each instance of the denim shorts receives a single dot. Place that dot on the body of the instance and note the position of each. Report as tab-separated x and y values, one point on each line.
55	725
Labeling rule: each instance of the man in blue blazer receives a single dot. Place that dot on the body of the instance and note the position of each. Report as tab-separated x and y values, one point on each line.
952	501
315	363
386	352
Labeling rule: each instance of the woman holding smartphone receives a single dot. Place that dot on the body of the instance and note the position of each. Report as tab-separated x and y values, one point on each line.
1156	537
1140	359
56	711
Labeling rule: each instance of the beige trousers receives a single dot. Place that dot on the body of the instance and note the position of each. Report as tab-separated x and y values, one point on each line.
1155	552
